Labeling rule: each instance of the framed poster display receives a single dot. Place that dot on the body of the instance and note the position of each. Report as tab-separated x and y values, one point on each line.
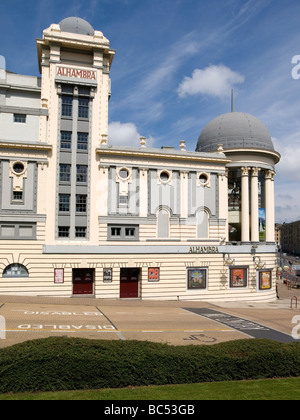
239	277
107	275
197	278
153	275
265	280
59	276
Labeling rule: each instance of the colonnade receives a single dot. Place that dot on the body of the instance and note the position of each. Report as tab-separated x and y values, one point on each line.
250	216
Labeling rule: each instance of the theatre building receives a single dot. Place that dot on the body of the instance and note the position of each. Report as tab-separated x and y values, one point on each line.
82	217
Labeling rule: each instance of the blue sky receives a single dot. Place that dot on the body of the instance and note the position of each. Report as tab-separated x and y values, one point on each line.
176	63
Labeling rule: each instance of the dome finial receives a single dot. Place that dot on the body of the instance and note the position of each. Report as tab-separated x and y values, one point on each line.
232	100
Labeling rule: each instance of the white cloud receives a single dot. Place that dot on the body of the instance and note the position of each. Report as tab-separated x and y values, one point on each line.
125	134
288	167
213	81
2	67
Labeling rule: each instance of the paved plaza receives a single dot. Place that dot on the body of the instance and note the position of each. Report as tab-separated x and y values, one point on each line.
175	323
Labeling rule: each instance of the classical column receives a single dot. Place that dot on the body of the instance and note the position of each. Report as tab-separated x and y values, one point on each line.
254	206
245	205
270	206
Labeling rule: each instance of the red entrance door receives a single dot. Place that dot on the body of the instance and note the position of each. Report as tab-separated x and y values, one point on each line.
129	283
83	281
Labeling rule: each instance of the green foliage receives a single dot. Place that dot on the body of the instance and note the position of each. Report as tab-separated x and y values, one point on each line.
57	364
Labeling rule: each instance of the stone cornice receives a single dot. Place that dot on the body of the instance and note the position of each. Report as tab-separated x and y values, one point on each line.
159	154
22	145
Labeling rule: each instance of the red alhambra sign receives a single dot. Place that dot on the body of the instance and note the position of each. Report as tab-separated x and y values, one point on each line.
76	73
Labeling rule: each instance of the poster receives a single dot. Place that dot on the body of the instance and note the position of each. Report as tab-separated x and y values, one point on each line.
265	280
153	274
58	275
238	277
197	278
262	225
107	275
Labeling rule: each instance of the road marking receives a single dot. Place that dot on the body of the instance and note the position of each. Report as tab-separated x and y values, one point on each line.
111	330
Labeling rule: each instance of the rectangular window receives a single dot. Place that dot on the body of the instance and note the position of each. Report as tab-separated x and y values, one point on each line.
64	202
238	277
17	196
63	232
80	232
197	278
65	140
81	203
82	141
64	172
20	118
82	171
17	231
123	200
83	108
130	232
123	232
115	231
67	106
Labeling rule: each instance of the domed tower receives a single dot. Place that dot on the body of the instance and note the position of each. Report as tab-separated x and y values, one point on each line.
247	142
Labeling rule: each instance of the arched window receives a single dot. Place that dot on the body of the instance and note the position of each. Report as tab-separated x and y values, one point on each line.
202	225
163	224
15	270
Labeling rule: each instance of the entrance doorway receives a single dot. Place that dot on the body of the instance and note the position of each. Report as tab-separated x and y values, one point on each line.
83	281
129	283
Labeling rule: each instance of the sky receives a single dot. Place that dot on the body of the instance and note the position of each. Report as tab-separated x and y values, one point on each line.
176	63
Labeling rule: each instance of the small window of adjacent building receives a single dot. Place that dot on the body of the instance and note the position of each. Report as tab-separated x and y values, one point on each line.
15	270
67	106
65	140
20	118
82	141
63	232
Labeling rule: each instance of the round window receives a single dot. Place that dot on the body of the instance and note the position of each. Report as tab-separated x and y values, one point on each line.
123	173
164	176
203	178
18	168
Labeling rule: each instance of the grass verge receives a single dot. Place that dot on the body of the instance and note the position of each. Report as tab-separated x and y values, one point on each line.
270	389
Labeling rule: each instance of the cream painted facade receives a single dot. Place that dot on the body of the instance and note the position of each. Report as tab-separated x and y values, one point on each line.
79	216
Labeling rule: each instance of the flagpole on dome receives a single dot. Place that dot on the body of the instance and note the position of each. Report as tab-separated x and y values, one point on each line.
232	100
